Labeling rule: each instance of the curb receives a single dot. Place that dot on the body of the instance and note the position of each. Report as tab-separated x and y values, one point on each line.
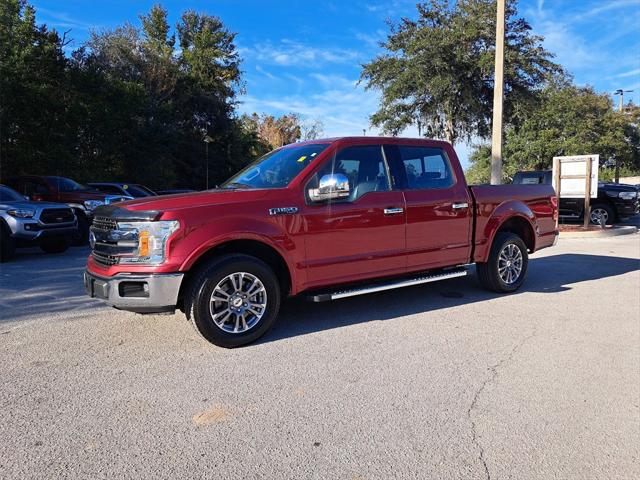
609	232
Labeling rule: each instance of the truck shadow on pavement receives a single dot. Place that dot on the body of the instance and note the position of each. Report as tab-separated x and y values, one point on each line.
37	285
551	274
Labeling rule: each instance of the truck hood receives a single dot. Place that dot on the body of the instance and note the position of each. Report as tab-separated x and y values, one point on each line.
619	187
165	203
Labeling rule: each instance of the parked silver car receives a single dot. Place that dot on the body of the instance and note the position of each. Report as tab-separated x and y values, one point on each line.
50	226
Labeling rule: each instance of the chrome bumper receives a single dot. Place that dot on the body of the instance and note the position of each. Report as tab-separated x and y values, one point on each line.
153	293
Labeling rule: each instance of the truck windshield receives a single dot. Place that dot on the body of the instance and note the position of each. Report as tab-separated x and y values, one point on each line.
277	168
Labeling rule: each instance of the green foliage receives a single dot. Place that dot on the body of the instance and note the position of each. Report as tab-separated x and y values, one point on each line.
128	105
438	72
569	120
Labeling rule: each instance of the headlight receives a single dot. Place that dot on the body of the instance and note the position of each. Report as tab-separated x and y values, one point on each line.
22	213
627	195
152	238
92	204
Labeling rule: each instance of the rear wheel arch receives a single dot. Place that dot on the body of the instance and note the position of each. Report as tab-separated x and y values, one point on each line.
521	227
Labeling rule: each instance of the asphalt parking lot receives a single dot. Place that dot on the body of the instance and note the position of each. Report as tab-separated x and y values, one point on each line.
438	381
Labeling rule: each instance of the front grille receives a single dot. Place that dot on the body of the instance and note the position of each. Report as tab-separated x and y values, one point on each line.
56	215
104	223
104	259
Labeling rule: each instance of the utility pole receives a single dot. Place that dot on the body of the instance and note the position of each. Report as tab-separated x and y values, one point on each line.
620	92
498	96
207	140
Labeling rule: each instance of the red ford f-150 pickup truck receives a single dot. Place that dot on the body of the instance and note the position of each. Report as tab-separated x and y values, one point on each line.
327	219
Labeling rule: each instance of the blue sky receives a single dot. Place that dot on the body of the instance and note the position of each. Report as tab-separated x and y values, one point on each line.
305	56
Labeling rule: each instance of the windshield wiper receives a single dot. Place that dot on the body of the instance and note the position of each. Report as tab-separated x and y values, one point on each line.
237	185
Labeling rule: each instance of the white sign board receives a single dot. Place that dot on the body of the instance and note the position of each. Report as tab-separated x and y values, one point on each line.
573	172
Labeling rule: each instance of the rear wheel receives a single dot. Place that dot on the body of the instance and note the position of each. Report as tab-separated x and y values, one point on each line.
234	300
7	243
507	265
55	245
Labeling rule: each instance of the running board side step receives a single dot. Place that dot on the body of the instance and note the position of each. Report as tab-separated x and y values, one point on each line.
389	285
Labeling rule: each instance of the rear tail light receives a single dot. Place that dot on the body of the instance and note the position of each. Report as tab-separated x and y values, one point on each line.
554	205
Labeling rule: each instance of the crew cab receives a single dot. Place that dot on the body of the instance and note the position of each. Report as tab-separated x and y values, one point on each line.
81	198
326	219
614	201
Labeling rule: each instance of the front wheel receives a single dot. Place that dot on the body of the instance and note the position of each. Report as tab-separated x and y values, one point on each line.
234	300
7	243
507	264
55	245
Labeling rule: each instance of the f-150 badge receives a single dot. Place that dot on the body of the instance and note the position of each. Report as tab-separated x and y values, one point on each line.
283	210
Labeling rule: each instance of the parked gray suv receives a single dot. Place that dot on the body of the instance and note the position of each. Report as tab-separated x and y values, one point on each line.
50	226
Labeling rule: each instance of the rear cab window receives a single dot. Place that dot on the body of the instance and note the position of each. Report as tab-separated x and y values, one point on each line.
422	167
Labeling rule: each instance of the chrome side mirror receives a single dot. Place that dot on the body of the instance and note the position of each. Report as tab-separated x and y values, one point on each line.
335	185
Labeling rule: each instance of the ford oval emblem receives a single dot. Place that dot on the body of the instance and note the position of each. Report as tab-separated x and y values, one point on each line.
92	239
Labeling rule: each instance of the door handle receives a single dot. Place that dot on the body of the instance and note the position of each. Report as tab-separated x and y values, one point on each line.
393	211
459	206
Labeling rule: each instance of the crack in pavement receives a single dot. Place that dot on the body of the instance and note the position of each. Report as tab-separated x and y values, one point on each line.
494	373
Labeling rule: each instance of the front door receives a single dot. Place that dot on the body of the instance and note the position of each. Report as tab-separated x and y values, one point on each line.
359	237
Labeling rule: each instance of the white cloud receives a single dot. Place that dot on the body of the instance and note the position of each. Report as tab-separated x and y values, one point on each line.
343	108
288	53
631	73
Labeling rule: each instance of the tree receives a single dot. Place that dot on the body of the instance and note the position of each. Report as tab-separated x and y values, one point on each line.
312	130
127	105
437	73
275	131
569	120
34	92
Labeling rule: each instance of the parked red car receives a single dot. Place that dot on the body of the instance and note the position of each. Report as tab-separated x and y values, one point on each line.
326	218
81	198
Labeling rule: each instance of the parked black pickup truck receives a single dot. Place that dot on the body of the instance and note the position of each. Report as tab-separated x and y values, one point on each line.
614	201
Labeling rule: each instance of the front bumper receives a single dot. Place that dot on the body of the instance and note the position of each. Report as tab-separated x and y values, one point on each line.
140	293
627	208
27	229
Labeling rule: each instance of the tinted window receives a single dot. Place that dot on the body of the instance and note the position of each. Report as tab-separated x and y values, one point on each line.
31	187
528	178
425	167
138	191
111	189
8	195
364	167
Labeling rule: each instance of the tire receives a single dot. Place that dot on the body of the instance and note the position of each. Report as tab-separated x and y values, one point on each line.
489	273
602	209
7	243
220	273
81	236
55	245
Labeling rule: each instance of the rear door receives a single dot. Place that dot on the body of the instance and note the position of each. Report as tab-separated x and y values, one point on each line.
362	236
438	204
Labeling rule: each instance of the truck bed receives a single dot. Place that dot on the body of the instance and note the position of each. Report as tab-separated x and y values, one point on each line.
494	202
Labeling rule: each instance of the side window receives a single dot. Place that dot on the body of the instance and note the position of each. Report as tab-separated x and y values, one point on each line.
365	168
110	189
31	187
425	167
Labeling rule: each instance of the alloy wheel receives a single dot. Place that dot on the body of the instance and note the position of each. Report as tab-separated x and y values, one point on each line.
510	264
238	302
